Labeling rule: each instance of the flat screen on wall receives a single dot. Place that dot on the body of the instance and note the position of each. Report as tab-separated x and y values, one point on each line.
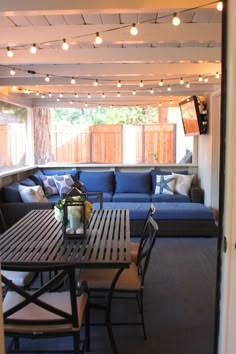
190	116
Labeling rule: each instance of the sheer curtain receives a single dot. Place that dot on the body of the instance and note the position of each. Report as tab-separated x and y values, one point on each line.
42	135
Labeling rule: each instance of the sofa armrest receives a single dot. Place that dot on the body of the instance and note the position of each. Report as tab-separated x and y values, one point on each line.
196	194
13	212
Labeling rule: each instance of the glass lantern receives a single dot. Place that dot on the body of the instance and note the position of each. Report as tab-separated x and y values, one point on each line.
74	220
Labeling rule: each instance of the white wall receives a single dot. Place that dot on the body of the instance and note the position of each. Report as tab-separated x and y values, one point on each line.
208	154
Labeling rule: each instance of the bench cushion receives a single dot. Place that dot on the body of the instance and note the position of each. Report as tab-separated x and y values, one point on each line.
164	211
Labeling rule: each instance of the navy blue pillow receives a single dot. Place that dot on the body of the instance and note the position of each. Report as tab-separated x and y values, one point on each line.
155	173
98	181
133	182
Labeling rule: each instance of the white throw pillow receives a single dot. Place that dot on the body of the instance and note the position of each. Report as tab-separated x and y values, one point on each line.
32	194
165	184
183	183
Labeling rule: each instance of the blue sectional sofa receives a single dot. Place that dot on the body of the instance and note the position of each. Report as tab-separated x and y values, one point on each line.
132	190
119	187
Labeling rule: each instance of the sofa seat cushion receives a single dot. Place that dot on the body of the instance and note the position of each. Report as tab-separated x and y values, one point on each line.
131	197
174	198
164	211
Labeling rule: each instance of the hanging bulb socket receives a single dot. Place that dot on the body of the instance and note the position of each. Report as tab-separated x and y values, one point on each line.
134	30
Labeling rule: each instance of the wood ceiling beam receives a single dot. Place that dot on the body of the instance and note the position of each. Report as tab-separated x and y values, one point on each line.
44	7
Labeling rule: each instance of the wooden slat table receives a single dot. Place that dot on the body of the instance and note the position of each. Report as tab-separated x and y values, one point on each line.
38	239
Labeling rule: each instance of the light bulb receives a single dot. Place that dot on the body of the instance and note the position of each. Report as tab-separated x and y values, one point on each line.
58	99
187	85
65	45
159	104
89	96
141	83
76	95
119	83
9	53
217	75
200	78
37	93
61	95
118	94
33	49
43	96
47	78
12	72
95	83
50	94
168	88
14	88
134	30
161	83
71	102
176	20
151	91
206	79
98	39
72	81
181	81
103	95
86	104
134	92
219	5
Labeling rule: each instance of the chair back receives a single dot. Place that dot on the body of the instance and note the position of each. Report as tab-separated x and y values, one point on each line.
3	225
143	236
150	235
19	299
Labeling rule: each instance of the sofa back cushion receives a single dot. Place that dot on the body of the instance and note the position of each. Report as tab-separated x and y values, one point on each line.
98	181
133	182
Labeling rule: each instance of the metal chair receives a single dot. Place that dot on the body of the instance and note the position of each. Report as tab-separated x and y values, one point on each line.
135	247
48	311
22	279
130	281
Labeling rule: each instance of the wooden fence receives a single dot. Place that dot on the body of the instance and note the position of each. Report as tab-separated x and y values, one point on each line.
102	143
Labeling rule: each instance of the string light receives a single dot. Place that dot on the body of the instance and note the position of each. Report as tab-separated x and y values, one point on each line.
43	96
159	104
151	91
217	75
200	78
37	93
33	49
76	95
118	94
12	72
47	78
61	94
175	20
134	92
86	104
50	94
9	53
119	84
65	45
206	79
72	81
89	96
219	5
71	102
161	83
58	99
134	30
95	83
181	81
103	95
141	83
98	39
187	85
168	88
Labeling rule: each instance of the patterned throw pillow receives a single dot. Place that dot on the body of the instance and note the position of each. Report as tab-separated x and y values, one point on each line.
183	183
63	184
165	184
32	194
49	185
